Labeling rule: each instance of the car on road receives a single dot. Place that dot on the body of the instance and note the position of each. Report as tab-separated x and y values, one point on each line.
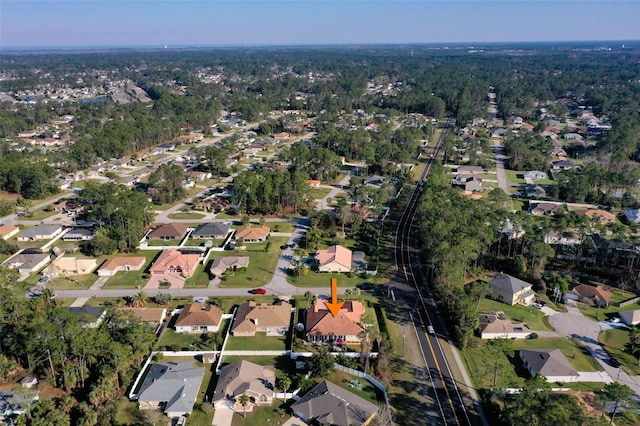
430	329
258	291
366	286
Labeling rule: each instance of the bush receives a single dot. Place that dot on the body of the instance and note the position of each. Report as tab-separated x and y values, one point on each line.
533	336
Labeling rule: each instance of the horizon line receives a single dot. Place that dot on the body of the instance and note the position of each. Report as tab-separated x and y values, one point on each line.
470	44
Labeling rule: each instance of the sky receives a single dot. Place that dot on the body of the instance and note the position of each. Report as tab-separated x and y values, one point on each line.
35	24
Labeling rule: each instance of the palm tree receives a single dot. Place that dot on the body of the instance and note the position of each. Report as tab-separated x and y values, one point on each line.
283	383
139	299
244	401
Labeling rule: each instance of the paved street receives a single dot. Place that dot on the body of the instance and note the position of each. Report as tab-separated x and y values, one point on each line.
500	174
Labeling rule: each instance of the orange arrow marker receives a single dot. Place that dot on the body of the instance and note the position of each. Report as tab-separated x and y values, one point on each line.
333	306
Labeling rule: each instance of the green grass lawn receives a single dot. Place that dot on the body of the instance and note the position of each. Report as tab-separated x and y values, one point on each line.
199	279
483	363
615	342
186	342
131	279
42	214
76	282
512	177
318	193
160	243
188	216
274	415
261	266
533	318
281	226
259	342
342	379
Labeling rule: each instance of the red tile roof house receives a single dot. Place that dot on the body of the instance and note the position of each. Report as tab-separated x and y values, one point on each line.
322	327
253	318
168	232
253	235
593	295
115	264
173	262
334	259
194	319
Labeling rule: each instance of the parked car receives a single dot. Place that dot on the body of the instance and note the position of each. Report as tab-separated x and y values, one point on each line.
44	279
258	291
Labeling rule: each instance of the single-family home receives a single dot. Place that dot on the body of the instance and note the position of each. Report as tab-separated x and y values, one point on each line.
221	264
68	266
14	403
632	215
560	165
329	404
244	377
469	170
515	121
568	237
211	230
251	234
313	183
68	206
253	318
29	382
28	261
168	232
214	204
544	208
121	263
534	175
197	176
40	232
89	316
172	387
334	259
511	290
322	327
375	180
550	363
79	233
604	217
194	318
592	295
496	325
165	147
175	262
8	231
630	317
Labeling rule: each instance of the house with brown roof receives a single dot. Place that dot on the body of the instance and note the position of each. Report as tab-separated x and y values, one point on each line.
214	204
592	295
67	206
244	377
496	325
120	263
544	208
221	264
195	319
314	183
253	318
602	216
67	266
322	327
334	259
250	234
8	231
174	262
168	232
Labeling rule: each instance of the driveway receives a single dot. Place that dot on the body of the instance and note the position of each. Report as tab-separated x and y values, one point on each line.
573	324
222	417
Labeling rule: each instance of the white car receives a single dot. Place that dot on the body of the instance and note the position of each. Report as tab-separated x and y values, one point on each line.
431	330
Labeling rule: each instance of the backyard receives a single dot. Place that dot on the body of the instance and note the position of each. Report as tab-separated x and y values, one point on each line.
259	342
616	342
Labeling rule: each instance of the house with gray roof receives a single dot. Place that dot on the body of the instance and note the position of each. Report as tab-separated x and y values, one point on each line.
89	316
550	363
329	404
14	403
40	232
79	234
211	230
511	290
172	387
28	261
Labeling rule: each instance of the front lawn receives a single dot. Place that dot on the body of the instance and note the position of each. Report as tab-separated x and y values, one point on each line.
131	279
200	278
261	266
615	342
76	282
259	342
533	318
186	216
274	415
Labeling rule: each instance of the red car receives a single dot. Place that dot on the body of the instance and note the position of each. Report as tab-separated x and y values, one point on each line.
258	291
